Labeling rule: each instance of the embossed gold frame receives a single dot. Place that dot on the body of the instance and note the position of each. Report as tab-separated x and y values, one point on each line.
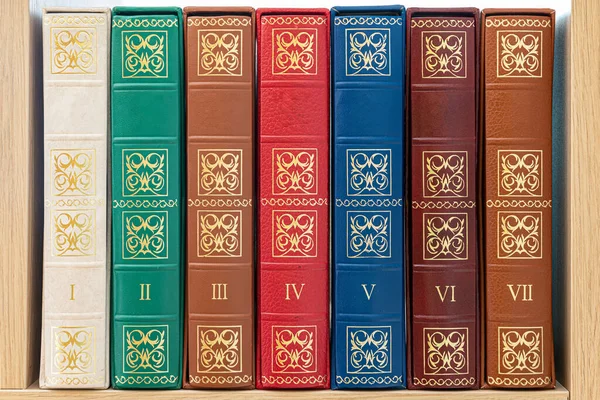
541	57
388	213
240	233
123	32
466	231
390	177
501	328
93	349
541	233
95	50
466	329
389	48
465	61
499	169
241	348
241	172
424	173
123	169
167	338
241	52
315	351
389	369
315	52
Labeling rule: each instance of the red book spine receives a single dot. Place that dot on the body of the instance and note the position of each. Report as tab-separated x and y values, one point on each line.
293	187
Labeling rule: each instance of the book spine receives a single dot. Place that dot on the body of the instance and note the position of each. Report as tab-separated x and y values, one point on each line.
147	133
220	136
74	351
369	334
517	111
293	185
443	227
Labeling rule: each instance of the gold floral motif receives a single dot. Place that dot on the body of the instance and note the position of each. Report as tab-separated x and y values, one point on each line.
74	233
295	171
145	234
520	234
444	174
219	52
445	236
444	54
520	173
219	349
219	173
294	349
145	172
145	54
145	349
295	233
369	172
445	351
219	233
73	50
294	51
368	52
520	350
369	349
519	54
73	172
74	350
369	234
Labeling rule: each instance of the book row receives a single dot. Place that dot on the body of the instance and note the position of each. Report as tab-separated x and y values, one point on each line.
207	173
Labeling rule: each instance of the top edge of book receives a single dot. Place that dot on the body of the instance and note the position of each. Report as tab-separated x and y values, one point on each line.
291	12
432	12
142	11
76	10
394	10
200	11
515	12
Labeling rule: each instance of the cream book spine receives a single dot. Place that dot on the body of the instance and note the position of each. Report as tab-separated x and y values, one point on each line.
75	307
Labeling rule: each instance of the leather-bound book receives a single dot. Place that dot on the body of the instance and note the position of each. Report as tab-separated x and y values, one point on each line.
517	68
219	334
147	181
444	286
76	267
293	210
368	325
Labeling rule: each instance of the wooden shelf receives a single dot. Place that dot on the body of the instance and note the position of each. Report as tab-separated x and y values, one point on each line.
34	392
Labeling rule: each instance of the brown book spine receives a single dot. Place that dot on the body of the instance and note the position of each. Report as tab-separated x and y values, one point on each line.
517	54
220	133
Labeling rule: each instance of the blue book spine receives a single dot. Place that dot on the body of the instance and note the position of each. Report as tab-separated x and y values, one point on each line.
369	324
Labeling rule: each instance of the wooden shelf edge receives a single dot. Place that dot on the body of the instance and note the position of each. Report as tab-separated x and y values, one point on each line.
34	392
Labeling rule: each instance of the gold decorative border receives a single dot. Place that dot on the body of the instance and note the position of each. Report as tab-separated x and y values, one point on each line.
442	204
539	381
305	20
145	203
368	203
74	20
443	381
367	21
211	21
368	380
518	23
75	381
74	202
519	203
220	379
220	203
144	23
295	380
146	380
295	201
441	23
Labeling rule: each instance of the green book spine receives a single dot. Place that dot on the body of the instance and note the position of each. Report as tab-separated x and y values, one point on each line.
147	137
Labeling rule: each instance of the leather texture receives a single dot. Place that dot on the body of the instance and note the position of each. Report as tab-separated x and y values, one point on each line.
220	134
76	250
293	186
368	63
517	125
147	182
444	301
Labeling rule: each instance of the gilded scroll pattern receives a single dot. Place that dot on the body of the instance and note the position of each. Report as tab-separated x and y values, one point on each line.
220	172
145	54
519	54
145	172
145	235
219	233
369	349
520	173
294	171
73	50
294	349
445	174
445	236
74	350
445	351
368	52
369	234
294	51
444	54
73	233
295	233
519	234
369	172
145	349
73	172
219	349
219	52
520	350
